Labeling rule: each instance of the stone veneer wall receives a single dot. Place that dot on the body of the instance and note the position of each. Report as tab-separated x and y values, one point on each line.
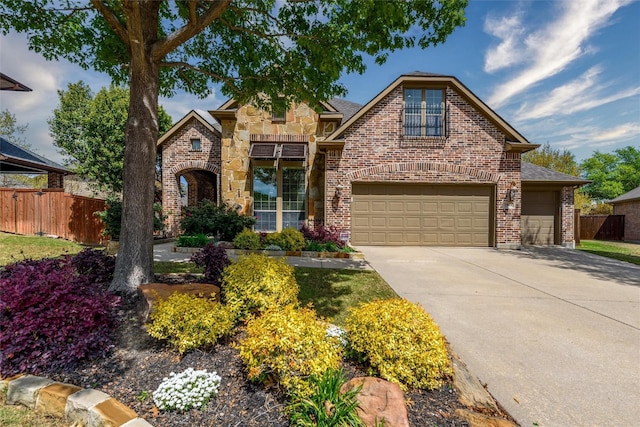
301	120
178	158
631	212
473	152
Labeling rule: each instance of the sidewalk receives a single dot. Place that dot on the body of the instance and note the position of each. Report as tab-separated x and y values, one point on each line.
164	252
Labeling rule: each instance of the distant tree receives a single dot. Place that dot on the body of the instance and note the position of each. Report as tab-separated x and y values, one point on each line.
289	51
612	174
13	132
561	161
90	132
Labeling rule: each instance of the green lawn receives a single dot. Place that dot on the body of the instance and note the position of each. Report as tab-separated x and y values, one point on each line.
629	252
333	292
15	248
20	416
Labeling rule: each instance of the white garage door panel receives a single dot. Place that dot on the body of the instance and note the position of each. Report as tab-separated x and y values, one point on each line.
400	214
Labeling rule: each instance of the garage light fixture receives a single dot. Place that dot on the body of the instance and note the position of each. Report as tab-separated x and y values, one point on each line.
512	193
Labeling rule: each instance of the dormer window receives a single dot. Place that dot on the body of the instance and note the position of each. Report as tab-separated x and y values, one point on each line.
424	112
196	145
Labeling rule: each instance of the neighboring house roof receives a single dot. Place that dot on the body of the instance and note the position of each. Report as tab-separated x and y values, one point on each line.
7	83
515	141
531	173
15	159
627	197
215	128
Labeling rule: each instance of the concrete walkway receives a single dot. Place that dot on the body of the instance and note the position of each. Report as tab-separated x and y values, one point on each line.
164	252
555	333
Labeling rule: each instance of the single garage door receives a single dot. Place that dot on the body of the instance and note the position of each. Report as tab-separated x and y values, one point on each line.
421	215
539	213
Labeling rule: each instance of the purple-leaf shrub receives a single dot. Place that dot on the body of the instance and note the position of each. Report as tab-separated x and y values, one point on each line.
51	318
95	266
214	260
322	234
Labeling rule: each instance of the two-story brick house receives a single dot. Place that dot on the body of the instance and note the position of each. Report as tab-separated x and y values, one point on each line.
425	162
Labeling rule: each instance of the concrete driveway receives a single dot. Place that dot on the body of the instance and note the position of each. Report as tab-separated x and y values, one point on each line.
553	332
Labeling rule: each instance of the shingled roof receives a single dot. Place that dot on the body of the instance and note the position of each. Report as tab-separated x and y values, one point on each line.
531	173
627	197
15	159
347	108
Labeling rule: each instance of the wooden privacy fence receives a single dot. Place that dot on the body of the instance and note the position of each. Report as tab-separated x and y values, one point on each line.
602	227
51	212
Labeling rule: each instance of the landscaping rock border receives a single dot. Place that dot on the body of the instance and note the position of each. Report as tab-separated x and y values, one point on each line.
305	254
86	407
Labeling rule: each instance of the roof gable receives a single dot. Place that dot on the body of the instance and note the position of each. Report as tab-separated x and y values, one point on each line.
191	115
513	136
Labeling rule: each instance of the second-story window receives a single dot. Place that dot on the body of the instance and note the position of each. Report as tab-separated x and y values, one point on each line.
424	112
196	145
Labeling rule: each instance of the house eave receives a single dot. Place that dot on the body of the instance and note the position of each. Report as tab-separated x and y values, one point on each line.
336	144
519	147
183	121
220	115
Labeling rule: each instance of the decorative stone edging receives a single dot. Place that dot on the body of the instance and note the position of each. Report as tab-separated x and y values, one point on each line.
86	407
304	254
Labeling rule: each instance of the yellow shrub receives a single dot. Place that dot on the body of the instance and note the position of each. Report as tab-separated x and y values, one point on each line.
188	322
289	345
257	283
400	341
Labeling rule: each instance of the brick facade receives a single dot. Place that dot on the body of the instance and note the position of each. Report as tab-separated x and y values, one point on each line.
477	149
473	152
631	212
201	169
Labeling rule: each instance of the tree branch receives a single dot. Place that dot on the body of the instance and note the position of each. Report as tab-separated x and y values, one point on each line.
162	47
113	21
216	76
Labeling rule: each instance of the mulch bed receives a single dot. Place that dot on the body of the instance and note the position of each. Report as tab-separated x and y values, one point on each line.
139	363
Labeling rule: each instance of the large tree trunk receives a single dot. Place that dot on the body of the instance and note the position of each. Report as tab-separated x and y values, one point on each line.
134	262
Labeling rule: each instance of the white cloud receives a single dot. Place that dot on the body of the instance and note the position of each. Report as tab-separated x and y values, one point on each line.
581	94
509	51
550	49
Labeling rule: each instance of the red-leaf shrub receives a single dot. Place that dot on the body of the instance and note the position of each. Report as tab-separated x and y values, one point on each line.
51	318
214	260
322	234
95	266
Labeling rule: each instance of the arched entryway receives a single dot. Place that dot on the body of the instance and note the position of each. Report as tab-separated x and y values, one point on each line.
186	184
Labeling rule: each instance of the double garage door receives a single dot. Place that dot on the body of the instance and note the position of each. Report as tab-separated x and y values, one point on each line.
421	215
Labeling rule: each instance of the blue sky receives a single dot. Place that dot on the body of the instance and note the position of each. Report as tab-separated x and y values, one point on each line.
562	72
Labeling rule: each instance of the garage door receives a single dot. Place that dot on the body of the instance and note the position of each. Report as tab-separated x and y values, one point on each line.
421	215
539	209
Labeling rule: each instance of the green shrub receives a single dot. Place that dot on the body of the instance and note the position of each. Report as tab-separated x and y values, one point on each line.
256	283
291	239
188	322
208	218
247	239
400	341
195	241
288	345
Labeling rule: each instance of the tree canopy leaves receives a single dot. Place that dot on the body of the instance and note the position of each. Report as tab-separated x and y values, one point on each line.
89	130
613	174
547	157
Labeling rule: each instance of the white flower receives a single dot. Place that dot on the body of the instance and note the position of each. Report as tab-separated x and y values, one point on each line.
186	390
334	331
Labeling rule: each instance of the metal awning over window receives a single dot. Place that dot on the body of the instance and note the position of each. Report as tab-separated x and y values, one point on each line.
261	150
